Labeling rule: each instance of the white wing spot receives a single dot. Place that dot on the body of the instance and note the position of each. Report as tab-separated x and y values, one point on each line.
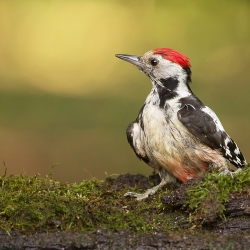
227	140
237	151
228	152
238	159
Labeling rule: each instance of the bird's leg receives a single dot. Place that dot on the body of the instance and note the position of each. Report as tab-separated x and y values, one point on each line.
165	178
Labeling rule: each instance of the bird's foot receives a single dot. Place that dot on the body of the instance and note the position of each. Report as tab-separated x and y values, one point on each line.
145	195
226	171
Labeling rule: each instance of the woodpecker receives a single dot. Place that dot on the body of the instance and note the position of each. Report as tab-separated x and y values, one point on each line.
175	133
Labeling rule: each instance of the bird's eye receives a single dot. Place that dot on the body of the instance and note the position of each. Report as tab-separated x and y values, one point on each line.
154	62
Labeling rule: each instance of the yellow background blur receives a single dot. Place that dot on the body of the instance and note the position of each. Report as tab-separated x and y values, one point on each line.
65	98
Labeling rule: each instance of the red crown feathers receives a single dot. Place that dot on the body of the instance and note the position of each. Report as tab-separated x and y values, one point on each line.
173	56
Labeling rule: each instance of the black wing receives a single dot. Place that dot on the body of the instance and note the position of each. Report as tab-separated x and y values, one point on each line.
202	122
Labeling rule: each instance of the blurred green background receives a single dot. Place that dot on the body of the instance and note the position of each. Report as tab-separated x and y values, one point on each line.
65	98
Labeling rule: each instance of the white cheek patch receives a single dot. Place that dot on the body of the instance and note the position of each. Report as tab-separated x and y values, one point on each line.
167	69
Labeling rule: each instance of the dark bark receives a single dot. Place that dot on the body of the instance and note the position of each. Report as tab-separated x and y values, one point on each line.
123	240
230	233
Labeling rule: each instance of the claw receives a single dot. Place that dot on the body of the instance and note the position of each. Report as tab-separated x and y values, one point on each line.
145	195
229	172
165	178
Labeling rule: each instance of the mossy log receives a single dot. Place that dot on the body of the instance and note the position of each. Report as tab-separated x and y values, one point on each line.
207	213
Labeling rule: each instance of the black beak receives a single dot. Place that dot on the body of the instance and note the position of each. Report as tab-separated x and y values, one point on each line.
135	60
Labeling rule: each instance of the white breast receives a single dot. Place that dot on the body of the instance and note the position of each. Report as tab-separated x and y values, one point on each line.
162	137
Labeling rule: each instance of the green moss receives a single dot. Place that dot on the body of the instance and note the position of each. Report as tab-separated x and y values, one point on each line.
30	204
207	197
35	204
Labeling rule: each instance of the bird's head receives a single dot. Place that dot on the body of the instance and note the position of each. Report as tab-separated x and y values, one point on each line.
161	64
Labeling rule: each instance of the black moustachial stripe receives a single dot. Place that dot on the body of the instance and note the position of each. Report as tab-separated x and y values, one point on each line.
170	83
167	92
